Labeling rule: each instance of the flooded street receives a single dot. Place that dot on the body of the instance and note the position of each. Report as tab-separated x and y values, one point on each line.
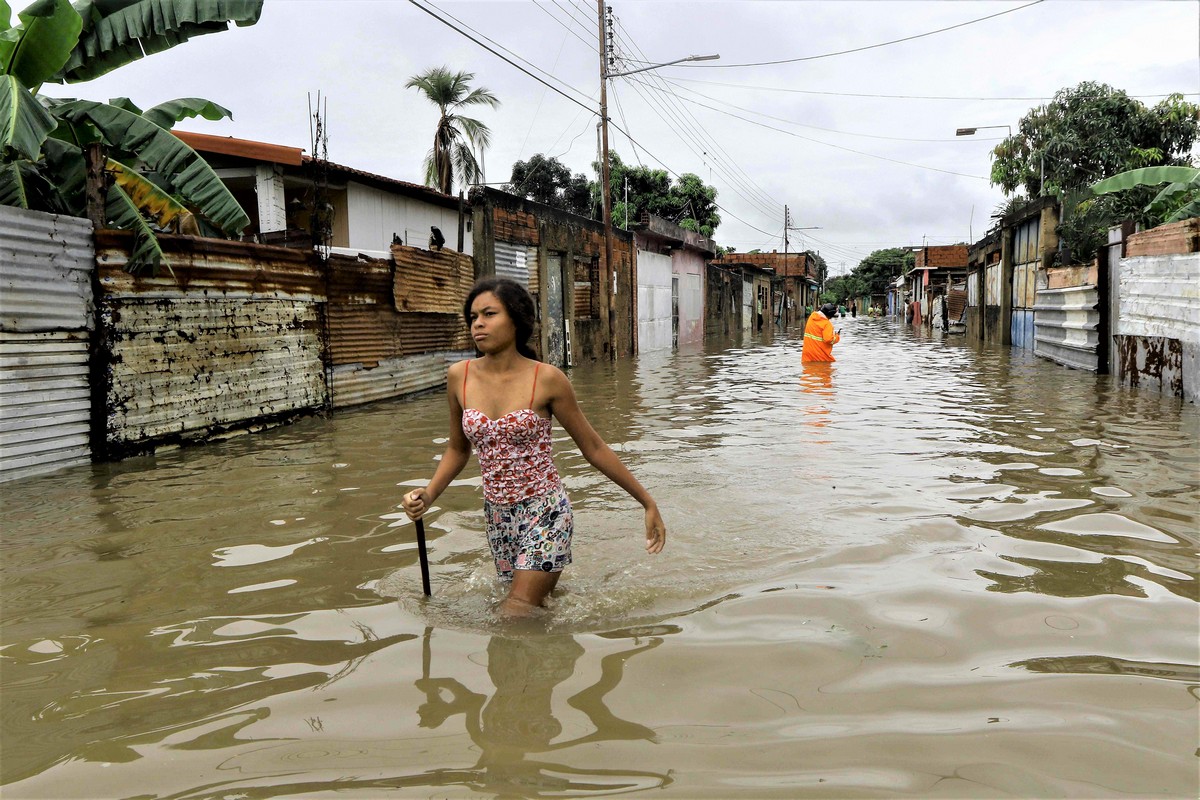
927	570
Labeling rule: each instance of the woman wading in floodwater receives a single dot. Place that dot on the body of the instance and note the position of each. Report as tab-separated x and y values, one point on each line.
501	404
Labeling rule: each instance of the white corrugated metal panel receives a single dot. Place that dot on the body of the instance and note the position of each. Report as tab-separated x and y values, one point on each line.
46	262
190	367
1066	325
354	385
512	261
45	403
1160	296
654	301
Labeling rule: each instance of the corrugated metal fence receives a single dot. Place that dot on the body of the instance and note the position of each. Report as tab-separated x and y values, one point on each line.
232	339
395	325
46	314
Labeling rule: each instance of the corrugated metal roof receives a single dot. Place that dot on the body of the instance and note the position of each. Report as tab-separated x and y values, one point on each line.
45	402
45	271
431	281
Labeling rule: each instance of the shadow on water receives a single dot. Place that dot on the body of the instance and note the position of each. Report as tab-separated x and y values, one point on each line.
925	569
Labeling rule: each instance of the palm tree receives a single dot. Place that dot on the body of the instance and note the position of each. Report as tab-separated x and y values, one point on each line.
457	137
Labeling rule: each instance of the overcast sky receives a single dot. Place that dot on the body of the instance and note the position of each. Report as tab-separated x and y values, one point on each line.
360	53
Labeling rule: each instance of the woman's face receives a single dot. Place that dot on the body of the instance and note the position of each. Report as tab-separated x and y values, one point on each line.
491	326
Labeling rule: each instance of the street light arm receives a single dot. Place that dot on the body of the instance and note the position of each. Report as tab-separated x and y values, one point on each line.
666	64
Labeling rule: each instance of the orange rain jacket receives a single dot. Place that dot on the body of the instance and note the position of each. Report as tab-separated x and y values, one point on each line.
819	339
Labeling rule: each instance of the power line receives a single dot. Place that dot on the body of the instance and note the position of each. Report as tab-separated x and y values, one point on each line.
745	187
568	28
748	183
502	57
676	174
866	47
830	144
792	90
538	110
828	130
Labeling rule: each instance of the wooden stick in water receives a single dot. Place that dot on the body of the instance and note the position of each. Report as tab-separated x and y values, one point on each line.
424	556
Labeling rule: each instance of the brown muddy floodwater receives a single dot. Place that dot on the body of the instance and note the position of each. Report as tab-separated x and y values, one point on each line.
931	570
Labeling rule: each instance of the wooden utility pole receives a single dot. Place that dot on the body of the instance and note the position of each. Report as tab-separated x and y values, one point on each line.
610	271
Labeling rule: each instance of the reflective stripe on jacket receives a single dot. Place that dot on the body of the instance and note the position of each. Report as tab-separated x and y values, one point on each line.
819	339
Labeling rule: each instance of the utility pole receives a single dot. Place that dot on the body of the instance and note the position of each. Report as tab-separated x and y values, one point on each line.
606	190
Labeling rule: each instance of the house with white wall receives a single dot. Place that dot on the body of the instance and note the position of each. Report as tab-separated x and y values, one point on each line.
282	190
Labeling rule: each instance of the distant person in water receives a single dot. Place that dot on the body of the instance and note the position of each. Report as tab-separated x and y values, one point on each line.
501	404
819	335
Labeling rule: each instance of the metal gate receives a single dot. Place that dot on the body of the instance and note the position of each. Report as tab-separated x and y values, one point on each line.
1026	257
512	261
556	322
654	301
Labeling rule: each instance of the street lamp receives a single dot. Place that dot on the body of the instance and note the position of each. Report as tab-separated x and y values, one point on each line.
606	190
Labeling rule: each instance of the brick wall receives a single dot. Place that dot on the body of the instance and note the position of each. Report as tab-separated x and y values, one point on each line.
1176	238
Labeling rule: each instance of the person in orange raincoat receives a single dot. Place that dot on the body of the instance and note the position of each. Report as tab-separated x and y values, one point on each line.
819	335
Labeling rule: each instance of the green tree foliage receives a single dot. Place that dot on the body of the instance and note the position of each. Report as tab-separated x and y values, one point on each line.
1178	201
457	139
156	182
688	201
871	276
547	180
1085	134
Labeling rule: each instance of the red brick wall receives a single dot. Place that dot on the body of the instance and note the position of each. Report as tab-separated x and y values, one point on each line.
1175	238
951	255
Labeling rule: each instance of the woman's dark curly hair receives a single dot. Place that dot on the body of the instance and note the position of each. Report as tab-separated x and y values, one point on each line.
517	302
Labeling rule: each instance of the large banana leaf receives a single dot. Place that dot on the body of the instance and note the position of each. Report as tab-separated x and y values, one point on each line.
1187	211
24	124
164	153
116	32
147	253
165	115
1146	176
40	46
19	185
66	169
5	16
150	199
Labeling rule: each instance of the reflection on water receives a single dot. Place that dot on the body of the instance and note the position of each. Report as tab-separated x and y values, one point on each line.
929	569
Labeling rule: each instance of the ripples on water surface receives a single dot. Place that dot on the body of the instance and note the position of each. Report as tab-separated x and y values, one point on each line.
928	570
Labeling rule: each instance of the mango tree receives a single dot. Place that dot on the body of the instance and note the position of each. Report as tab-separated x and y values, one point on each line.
155	182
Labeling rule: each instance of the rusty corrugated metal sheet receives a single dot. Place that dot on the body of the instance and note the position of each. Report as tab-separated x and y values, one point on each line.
233	339
956	302
431	281
46	262
45	402
359	280
423	333
213	267
354	385
363	334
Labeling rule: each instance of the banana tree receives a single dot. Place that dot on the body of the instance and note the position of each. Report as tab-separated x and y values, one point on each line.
156	182
1178	201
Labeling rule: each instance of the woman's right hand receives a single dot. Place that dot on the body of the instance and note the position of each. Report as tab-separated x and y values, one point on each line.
416	503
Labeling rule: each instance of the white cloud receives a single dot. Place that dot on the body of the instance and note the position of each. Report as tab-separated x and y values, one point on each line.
360	53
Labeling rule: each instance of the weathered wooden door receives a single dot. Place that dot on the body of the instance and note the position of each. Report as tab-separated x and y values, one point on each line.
556	321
